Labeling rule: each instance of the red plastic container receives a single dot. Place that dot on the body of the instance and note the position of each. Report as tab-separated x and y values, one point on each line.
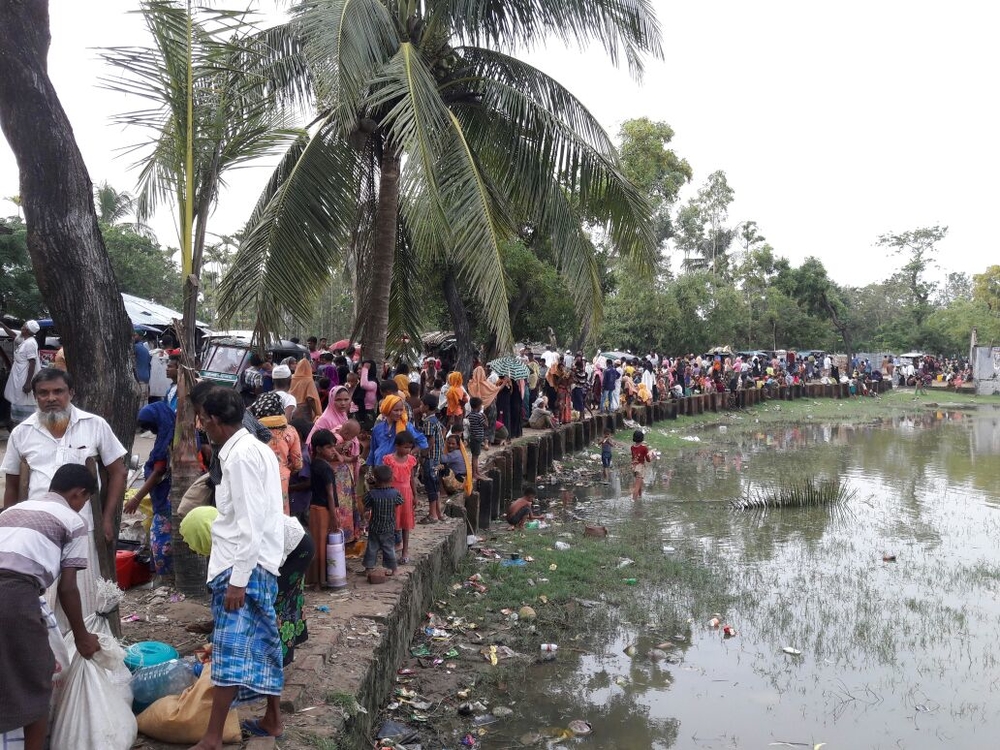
130	571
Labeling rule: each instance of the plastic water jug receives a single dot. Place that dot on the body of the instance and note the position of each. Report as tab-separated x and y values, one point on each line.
150	684
336	561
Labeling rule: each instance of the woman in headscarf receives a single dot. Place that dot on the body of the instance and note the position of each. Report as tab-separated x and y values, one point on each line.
306	394
559	378
25	364
481	387
384	433
158	418
269	410
345	470
456	398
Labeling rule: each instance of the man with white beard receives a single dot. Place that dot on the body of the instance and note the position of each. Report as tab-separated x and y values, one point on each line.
58	433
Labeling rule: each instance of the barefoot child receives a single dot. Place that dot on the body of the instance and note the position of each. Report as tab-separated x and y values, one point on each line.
430	425
640	457
477	432
607	444
381	502
404	479
519	511
323	507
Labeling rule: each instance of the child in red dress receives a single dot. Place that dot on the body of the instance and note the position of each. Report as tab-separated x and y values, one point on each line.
640	457
404	479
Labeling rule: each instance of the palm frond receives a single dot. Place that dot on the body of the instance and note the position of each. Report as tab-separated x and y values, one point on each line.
406	299
531	131
625	28
300	225
345	42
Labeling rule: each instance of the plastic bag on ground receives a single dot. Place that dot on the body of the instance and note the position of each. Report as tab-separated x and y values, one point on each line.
183	719
92	714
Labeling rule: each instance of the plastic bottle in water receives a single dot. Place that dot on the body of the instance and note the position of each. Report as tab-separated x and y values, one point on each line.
150	684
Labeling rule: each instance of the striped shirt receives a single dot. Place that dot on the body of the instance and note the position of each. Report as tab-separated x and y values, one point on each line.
40	537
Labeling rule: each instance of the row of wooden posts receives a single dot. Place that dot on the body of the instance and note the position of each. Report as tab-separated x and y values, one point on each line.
508	468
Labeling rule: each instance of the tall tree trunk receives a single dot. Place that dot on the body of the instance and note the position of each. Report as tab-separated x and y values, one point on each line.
67	251
190	569
460	324
375	321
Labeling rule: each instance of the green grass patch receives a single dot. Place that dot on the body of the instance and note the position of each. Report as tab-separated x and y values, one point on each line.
590	586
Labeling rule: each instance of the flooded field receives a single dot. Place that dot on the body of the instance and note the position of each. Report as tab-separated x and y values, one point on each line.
884	654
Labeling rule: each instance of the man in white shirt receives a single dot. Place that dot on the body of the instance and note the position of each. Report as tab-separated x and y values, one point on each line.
281	379
58	433
247	546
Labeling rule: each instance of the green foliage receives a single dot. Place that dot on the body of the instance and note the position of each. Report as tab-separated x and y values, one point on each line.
19	295
142	267
702	234
654	168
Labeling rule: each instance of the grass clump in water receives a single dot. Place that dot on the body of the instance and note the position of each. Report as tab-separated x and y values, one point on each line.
806	493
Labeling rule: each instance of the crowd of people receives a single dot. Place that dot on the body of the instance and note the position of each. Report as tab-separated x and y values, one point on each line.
300	449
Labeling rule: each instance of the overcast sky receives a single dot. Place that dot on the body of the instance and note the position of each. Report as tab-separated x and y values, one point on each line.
834	122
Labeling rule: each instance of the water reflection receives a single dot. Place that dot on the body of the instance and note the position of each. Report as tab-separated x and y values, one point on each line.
893	654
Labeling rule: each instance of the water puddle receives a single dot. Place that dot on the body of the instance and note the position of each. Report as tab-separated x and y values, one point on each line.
893	654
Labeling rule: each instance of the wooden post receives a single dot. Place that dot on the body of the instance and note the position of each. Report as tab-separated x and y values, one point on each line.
485	487
496	492
531	461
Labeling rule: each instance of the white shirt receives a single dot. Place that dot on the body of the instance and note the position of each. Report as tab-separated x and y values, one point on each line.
550	358
249	530
287	399
87	436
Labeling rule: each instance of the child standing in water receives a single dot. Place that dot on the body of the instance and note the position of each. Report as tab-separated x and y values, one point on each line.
404	478
607	444
640	457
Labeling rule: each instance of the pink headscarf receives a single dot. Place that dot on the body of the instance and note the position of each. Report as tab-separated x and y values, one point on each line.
331	419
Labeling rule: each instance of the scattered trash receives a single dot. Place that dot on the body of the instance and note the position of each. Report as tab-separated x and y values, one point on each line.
792	651
624	562
419	651
668	550
553	566
630	581
728	631
561	546
526	613
467	709
691	438
598	532
630	650
714	622
437	634
469	741
548	651
397	731
503	711
888	558
322	608
580	728
518	563
483	720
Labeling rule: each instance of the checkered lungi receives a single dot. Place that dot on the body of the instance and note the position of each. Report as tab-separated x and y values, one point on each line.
246	649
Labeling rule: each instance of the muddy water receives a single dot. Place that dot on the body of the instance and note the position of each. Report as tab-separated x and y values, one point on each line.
893	655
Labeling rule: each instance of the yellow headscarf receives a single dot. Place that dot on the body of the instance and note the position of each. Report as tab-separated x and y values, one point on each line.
387	405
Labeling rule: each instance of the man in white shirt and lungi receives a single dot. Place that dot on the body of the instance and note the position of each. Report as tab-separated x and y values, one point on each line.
247	546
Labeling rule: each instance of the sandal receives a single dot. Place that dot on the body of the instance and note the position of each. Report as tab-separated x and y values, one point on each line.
252	728
426	520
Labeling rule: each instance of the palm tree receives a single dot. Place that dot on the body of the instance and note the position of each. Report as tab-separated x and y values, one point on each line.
433	142
16	200
210	110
